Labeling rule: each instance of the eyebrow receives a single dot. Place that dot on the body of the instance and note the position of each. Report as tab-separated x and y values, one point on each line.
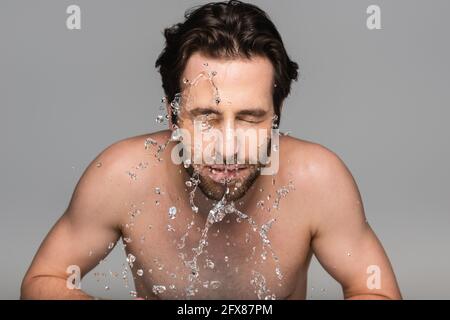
256	112
201	110
253	112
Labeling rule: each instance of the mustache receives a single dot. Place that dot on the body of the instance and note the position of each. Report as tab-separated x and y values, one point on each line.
220	159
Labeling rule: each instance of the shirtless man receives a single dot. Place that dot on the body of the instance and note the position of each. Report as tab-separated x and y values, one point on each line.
270	226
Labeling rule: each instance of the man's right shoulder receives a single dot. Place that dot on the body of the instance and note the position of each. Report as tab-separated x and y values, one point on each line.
119	162
125	152
117	174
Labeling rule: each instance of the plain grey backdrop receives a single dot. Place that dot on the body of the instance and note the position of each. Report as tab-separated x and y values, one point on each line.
378	98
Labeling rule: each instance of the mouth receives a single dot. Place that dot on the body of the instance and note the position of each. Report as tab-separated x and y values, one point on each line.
219	173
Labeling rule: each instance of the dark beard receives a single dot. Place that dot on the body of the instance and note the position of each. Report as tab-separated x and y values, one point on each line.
216	190
237	188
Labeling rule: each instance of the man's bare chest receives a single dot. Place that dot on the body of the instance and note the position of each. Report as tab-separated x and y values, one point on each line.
175	255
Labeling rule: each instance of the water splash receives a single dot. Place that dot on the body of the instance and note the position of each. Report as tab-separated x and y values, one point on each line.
258	281
217	214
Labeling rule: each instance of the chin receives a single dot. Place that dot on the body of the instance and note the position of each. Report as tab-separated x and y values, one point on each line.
214	183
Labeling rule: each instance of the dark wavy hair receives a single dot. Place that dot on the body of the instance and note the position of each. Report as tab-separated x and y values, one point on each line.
228	29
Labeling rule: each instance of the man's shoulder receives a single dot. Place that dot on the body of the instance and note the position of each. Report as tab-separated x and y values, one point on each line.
136	148
320	176
312	164
123	162
311	157
137	144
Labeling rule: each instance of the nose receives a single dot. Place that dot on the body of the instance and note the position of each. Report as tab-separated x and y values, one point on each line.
230	142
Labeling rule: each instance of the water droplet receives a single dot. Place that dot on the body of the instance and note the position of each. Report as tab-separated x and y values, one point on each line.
159	119
135	212
157	289
176	135
274	120
142	165
127	240
260	204
132	175
131	259
149	142
98	165
190	291
172	212
187	163
214	284
140	272
111	245
209	264
278	272
106	288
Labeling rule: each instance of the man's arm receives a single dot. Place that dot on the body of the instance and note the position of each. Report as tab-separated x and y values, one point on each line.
82	235
342	240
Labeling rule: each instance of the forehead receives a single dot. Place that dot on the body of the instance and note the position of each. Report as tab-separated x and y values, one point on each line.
236	79
233	69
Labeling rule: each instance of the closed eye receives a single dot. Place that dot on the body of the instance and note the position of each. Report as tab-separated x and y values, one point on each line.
250	120
252	115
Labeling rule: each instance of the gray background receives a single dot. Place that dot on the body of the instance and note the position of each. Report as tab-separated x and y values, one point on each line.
377	98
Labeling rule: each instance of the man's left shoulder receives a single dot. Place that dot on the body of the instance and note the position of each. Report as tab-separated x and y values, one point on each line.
313	162
323	183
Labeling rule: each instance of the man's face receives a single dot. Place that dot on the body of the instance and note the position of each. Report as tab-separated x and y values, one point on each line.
230	99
